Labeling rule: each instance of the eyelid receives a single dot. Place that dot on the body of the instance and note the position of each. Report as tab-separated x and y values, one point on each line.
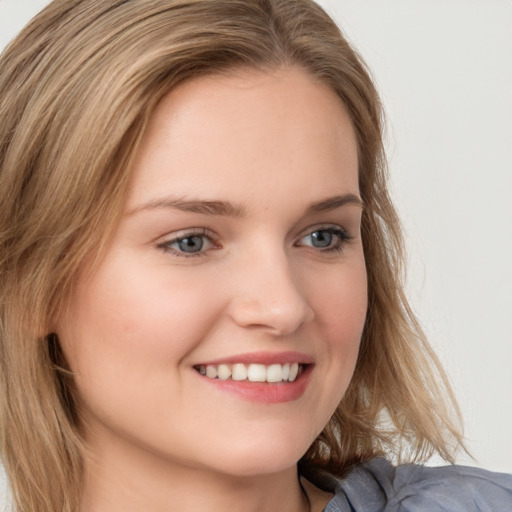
332	228
343	235
164	243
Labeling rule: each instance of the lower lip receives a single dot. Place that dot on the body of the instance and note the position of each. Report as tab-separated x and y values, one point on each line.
270	393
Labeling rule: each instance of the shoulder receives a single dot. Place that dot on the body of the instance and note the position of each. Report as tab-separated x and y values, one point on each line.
378	486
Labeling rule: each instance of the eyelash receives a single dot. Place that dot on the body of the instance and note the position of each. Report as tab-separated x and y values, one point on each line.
199	232
341	234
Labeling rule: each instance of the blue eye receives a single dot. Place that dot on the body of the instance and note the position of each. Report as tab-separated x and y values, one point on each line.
321	239
326	239
189	244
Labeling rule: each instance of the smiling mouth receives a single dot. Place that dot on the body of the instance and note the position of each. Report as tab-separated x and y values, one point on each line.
272	374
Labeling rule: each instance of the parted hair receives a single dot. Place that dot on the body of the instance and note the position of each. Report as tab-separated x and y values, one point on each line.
77	88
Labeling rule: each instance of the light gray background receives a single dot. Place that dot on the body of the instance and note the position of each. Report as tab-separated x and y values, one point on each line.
444	70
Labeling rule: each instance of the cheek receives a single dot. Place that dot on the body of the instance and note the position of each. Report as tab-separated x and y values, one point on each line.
127	331
339	297
126	334
341	303
142	313
341	306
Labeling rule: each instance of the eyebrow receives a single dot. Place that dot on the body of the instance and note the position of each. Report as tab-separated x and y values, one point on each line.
221	208
331	203
228	209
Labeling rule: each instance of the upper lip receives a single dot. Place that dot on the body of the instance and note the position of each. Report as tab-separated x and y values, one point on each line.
265	358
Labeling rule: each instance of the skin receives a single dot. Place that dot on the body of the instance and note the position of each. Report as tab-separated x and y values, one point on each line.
161	436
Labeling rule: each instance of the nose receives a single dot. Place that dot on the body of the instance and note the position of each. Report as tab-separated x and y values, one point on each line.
268	295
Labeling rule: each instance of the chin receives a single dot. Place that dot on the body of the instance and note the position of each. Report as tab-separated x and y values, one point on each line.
261	458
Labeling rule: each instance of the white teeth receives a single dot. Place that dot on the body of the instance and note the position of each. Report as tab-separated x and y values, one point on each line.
294	370
211	371
224	372
239	372
256	373
272	373
286	371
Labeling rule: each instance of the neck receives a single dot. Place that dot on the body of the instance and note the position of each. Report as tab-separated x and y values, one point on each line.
121	480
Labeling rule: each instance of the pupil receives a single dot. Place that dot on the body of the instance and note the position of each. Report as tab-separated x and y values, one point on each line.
191	244
321	238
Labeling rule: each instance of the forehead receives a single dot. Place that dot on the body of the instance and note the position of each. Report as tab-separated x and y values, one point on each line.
244	132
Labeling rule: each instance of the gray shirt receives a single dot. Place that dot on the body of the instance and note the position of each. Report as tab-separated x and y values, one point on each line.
378	486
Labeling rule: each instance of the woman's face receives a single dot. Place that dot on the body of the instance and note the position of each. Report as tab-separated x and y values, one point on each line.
238	259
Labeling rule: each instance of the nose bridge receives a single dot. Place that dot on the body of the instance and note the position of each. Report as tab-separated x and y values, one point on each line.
268	293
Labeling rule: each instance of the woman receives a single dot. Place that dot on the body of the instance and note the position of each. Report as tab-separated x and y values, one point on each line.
201	271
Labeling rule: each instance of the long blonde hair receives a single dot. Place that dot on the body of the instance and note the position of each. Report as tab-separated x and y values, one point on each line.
77	88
